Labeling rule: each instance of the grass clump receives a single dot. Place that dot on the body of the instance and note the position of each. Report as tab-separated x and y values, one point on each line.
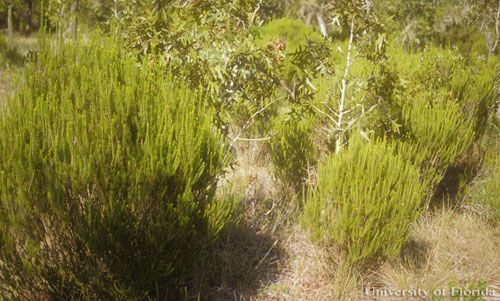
108	177
366	199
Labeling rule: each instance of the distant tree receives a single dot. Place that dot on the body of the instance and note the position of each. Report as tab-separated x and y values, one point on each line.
486	14
9	21
21	15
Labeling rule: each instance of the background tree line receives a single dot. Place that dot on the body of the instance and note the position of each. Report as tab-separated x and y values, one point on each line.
416	22
467	23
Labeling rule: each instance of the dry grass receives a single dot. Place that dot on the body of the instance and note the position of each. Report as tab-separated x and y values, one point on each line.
26	43
266	204
267	256
446	248
10	70
6	84
241	262
249	255
312	273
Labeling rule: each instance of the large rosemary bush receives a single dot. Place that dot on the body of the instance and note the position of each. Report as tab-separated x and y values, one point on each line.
107	177
445	106
366	199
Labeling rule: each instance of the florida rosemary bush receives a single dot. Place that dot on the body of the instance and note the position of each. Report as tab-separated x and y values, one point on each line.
445	105
293	151
107	177
366	199
438	135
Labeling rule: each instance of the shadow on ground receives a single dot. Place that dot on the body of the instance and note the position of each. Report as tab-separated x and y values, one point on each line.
414	253
242	261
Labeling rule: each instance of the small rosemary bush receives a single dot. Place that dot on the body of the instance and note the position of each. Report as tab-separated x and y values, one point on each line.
366	199
293	151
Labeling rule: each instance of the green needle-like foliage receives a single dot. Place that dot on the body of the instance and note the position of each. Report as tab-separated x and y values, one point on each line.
108	173
440	133
366	199
293	151
445	104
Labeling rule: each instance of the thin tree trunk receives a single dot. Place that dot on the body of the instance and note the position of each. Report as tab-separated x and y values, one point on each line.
73	22
29	17
9	21
61	30
322	25
340	136
497	31
368	6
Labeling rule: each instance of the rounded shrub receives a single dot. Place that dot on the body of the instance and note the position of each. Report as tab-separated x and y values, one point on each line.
293	151
292	35
294	31
366	199
107	179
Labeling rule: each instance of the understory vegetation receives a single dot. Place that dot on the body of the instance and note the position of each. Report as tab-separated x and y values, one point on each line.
248	150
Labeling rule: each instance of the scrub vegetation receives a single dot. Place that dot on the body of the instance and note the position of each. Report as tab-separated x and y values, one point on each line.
248	150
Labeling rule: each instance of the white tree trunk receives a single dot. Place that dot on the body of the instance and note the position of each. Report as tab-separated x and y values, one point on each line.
368	6
322	25
339	141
